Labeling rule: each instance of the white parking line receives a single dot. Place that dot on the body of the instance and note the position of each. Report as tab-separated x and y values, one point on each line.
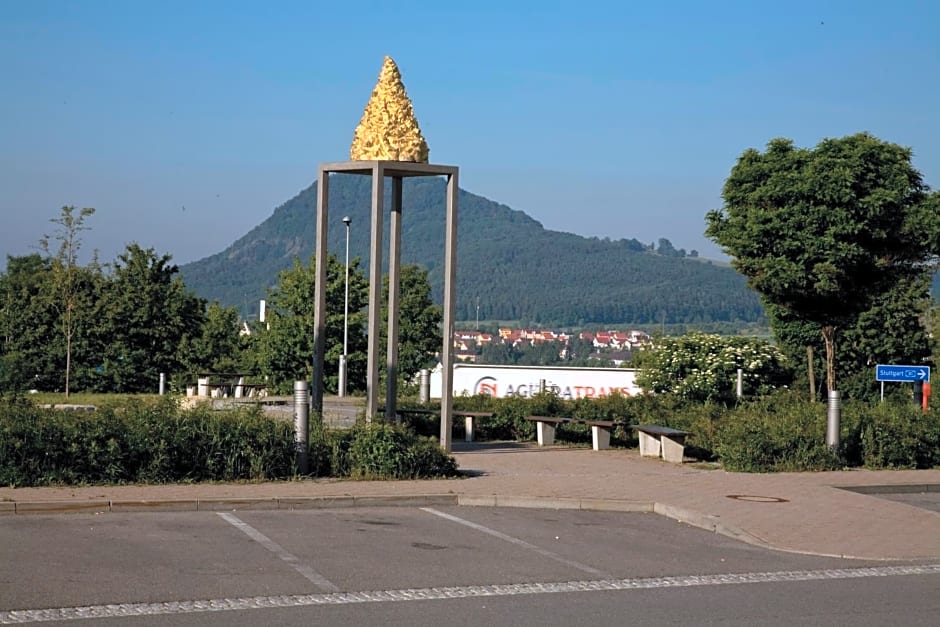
517	542
316	578
444	593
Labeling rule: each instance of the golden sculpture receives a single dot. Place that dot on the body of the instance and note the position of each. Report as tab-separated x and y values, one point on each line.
388	130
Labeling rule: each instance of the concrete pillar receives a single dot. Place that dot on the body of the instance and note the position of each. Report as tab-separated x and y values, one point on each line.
319	289
450	312
394	299
375	289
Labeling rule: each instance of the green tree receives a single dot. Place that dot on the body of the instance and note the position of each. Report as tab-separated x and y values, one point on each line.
419	330
498	353
932	324
148	319
33	346
821	233
284	348
542	354
218	348
27	326
892	330
63	286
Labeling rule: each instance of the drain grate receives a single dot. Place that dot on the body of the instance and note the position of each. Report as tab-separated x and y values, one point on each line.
754	498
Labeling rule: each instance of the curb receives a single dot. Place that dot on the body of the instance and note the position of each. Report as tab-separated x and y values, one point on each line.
900	488
543	502
223	504
711	523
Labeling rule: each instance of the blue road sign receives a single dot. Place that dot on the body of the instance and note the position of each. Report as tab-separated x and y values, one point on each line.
902	373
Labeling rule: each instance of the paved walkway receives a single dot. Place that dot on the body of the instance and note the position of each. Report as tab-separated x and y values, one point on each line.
801	512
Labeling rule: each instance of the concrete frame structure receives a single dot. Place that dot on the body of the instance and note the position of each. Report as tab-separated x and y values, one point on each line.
378	170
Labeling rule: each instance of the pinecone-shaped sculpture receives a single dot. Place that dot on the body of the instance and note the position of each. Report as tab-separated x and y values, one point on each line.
388	130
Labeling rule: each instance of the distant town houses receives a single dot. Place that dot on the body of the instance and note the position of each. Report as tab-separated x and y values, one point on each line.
618	340
466	343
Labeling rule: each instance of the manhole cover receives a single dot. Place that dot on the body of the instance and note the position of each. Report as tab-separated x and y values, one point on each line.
754	498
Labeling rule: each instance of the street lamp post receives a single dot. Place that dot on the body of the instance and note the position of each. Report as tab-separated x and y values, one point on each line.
342	358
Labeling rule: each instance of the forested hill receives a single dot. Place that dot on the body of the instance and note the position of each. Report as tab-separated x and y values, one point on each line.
508	264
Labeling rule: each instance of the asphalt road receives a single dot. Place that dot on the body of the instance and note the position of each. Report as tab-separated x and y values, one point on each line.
410	566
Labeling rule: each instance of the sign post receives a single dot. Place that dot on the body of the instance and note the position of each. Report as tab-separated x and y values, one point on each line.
901	374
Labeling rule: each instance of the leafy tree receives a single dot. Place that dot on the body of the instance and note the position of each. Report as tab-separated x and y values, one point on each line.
285	343
498	353
27	326
703	367
419	328
542	354
891	331
218	348
932	324
821	233
148	318
63	285
580	352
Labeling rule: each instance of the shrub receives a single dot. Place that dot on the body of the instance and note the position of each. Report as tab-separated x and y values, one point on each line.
159	442
774	434
703	367
384	451
900	435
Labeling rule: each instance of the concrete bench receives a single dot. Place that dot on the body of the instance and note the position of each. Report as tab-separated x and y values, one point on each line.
659	441
470	417
600	430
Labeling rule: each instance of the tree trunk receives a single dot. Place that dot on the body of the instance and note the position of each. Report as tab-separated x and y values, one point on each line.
812	376
829	337
68	351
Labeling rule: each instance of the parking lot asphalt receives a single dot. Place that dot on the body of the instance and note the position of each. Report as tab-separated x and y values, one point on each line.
425	565
842	514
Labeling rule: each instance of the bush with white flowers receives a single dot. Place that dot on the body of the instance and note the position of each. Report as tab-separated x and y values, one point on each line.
704	367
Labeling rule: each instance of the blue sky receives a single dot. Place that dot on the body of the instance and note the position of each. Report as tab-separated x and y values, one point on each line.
611	119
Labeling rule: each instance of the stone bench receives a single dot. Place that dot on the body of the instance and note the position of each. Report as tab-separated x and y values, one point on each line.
659	441
600	429
470	417
655	440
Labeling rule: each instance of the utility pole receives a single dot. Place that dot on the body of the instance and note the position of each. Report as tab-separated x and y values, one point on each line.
342	360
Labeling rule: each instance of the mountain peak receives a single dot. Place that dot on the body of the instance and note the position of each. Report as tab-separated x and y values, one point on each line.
508	264
388	130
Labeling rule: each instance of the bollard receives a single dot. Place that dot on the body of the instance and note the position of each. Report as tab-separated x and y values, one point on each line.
162	383
834	416
301	424
740	382
424	391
